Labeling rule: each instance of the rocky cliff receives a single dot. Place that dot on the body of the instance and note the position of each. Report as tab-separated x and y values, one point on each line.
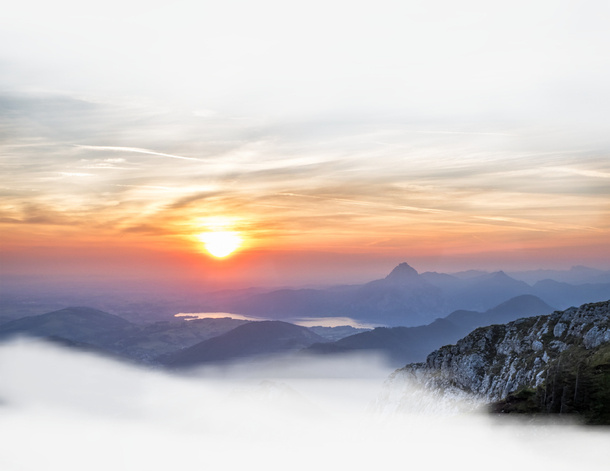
554	363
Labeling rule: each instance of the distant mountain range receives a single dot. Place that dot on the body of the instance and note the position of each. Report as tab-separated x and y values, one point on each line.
181	343
77	324
577	275
97	331
407	298
412	344
104	332
415	306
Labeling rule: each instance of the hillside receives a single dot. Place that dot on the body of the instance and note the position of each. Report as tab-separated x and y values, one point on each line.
251	339
106	333
77	324
557	363
403	345
149	341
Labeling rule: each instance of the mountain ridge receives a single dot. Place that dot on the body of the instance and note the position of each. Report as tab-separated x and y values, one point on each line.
405	297
524	358
248	340
409	344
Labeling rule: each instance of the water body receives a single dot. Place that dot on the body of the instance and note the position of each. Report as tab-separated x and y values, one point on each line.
303	321
217	315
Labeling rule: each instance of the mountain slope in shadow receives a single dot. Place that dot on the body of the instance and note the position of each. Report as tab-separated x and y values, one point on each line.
412	344
77	324
248	340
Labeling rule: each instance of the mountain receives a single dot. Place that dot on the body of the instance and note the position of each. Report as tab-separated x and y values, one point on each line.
564	295
403	273
91	329
252	339
5	319
468	274
525	305
398	344
488	290
410	344
147	342
556	363
401	298
576	275
448	283
336	333
76	324
406	298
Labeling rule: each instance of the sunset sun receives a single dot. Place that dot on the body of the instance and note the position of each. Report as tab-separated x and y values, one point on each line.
221	243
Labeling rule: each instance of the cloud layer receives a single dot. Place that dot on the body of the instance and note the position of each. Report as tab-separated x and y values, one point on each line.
76	411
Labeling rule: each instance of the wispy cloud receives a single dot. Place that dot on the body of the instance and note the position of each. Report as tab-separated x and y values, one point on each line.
138	150
186	201
76	174
466	133
583	172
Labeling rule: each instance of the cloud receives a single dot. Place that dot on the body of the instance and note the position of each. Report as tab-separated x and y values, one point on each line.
188	200
295	413
138	151
583	172
148	229
39	215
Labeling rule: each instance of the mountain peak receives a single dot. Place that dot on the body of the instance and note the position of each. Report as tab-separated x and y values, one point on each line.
402	272
499	275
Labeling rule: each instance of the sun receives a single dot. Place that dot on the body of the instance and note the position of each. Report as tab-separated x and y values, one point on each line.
220	243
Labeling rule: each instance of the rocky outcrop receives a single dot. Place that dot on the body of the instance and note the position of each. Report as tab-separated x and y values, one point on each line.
492	362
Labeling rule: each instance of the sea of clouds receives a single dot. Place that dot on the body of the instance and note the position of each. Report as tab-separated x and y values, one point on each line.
71	410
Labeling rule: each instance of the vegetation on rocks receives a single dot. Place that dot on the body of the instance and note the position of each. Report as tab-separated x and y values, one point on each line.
577	383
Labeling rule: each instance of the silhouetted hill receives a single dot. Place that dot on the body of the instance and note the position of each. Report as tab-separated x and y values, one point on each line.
401	298
447	283
396	343
468	274
564	295
76	324
94	330
5	319
402	274
486	291
336	333
524	306
576	275
252	339
147	342
411	344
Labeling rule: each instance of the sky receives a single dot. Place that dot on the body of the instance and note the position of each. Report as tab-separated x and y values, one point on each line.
336	138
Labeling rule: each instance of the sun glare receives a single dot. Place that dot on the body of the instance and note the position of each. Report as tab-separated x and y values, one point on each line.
221	243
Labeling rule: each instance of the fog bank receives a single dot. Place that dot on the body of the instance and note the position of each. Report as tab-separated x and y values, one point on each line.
62	409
